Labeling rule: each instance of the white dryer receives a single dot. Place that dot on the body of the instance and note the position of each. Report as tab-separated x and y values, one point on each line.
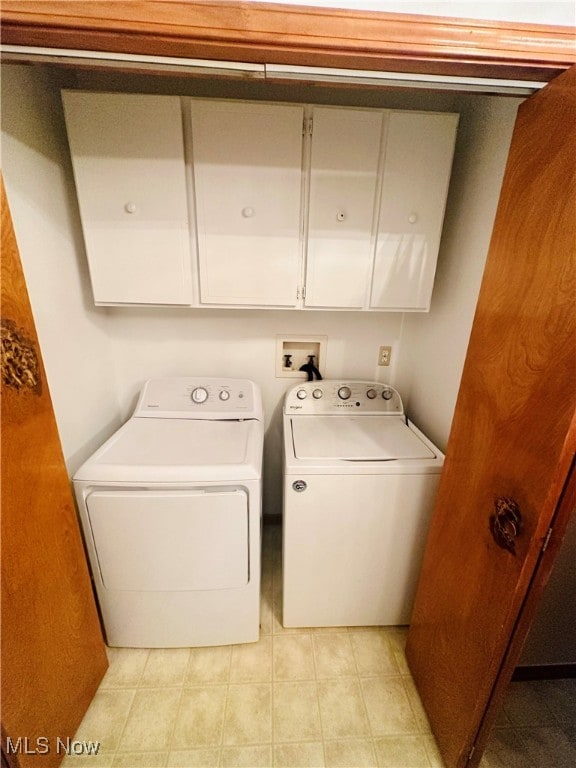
171	511
359	485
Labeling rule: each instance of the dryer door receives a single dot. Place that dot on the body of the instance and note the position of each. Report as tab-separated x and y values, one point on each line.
171	540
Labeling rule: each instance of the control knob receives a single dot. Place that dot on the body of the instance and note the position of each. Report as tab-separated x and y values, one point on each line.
344	393
387	394
199	395
224	395
371	394
317	394
301	394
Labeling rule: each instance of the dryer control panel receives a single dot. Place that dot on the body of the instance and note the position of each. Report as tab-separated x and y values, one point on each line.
199	398
336	396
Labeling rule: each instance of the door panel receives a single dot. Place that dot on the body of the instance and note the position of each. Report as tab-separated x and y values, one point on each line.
53	655
128	157
170	540
343	182
511	436
419	150
248	178
359	538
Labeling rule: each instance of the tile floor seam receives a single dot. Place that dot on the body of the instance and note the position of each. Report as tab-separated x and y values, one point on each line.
426	744
357	666
366	713
347	739
272	715
143	668
225	712
548	709
273	730
424	741
421	726
126	718
418	731
180	697
318	708
272	718
182	688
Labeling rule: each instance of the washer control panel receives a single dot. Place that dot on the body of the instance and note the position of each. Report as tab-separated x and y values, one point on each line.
343	397
203	398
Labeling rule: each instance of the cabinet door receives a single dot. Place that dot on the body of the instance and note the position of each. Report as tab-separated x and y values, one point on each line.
248	179
128	158
419	149
343	176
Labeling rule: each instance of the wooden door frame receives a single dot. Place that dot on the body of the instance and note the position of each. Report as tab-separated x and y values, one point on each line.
285	34
314	37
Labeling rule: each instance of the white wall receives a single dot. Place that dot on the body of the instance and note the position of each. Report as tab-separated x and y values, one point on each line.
434	346
561	12
72	334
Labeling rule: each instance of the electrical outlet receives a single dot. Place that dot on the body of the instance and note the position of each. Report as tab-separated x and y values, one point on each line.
384	355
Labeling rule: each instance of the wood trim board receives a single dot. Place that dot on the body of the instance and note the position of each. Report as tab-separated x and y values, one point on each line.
298	35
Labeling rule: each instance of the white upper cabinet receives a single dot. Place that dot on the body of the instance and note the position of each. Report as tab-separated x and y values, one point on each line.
128	158
378	187
247	161
201	202
418	160
343	184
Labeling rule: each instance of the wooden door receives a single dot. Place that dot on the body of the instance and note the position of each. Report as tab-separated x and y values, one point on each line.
53	654
512	442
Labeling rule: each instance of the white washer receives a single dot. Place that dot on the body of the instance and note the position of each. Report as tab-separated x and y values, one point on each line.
171	512
359	486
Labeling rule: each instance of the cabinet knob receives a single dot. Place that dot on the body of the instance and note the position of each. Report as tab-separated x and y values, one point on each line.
340	216
413	218
248	212
130	207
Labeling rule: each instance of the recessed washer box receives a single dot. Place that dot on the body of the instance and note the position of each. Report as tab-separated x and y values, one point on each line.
293	351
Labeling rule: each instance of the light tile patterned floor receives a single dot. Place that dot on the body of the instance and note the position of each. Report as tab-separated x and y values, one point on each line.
300	698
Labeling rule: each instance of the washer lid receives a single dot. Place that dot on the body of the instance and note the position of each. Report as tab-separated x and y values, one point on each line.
356	438
178	450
